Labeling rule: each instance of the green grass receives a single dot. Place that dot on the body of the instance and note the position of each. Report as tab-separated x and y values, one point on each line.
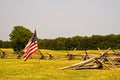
34	69
56	53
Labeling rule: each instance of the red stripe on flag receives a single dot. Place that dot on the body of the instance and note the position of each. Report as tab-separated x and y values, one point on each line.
28	44
27	55
31	47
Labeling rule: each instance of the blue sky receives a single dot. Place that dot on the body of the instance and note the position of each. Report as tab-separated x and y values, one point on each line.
60	18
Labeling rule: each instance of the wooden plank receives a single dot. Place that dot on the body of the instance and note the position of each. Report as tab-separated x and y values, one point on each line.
111	62
103	64
104	53
79	64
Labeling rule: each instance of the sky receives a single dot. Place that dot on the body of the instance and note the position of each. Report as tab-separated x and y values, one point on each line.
60	18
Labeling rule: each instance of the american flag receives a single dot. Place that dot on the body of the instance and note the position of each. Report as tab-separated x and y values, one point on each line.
31	47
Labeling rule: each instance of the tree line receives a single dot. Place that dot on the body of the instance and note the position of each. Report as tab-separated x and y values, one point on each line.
20	36
5	44
81	42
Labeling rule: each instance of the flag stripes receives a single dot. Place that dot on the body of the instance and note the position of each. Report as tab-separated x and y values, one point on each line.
27	46
31	47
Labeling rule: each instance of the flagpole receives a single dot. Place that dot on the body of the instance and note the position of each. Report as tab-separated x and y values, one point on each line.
38	46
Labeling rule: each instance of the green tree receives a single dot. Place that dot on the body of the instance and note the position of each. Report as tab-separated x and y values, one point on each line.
6	44
1	42
60	43
19	37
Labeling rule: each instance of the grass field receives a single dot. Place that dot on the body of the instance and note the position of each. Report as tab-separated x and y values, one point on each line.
35	69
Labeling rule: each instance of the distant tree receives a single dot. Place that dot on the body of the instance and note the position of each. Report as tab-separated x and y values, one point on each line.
76	42
85	43
6	44
95	41
117	46
68	44
60	43
1	43
19	37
